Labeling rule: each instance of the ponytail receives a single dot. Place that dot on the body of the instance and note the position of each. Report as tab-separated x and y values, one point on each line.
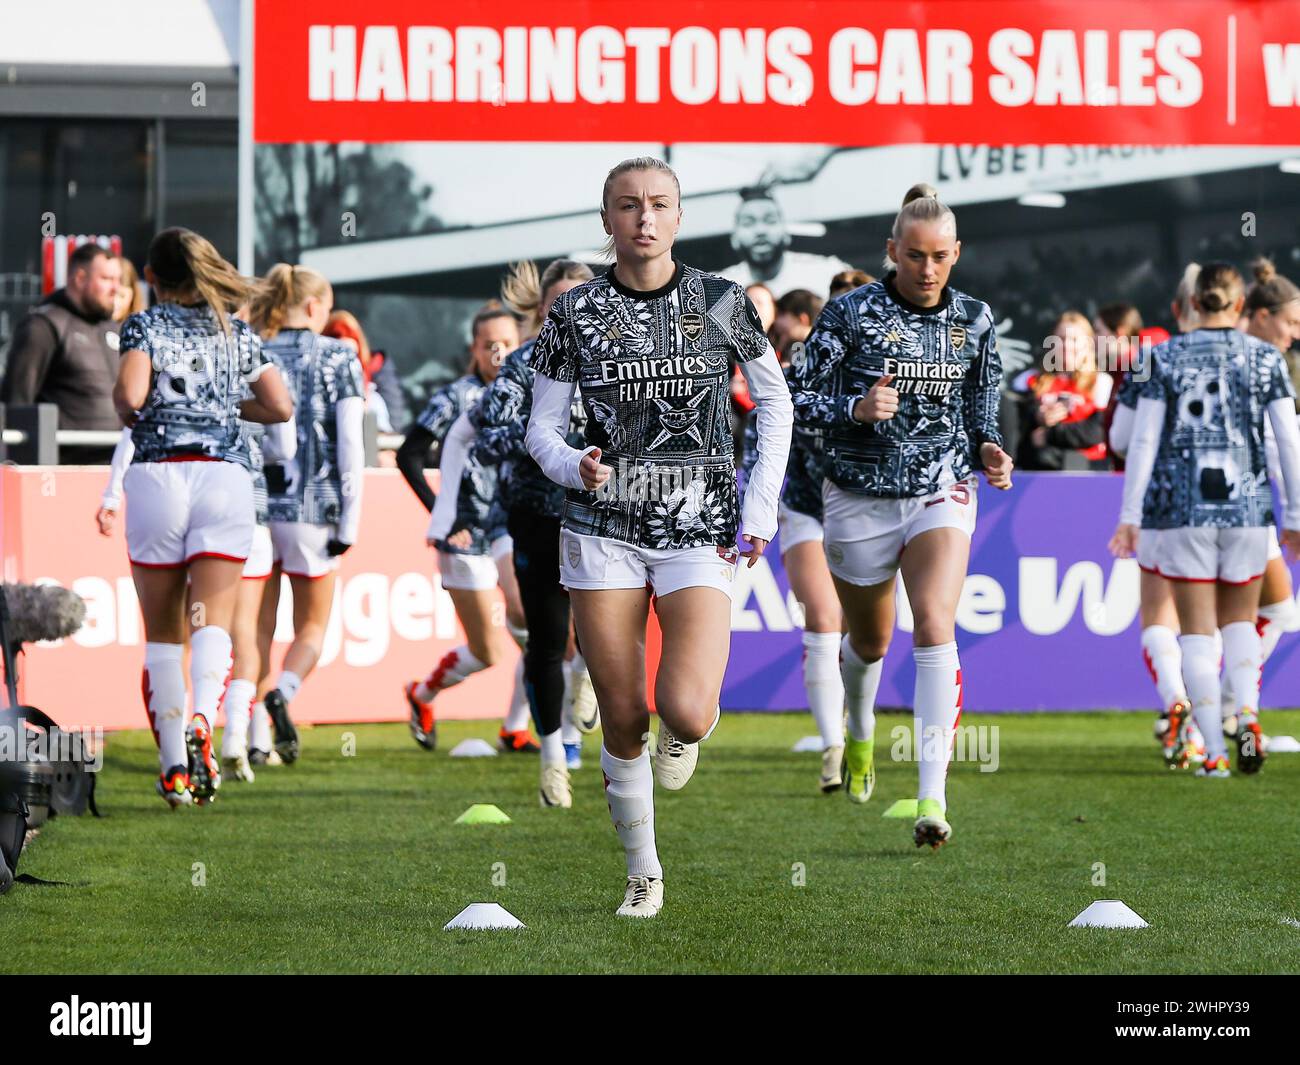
1271	291
1217	287
182	260
284	288
524	291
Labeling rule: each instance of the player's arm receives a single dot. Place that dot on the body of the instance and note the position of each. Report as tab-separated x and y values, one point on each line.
271	402
350	418
111	502
1121	429
1286	432
555	380
501	424
774	424
981	399
547	437
455	454
1147	426
423	435
812	383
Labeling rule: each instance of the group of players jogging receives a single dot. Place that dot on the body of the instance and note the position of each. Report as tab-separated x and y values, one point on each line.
243	460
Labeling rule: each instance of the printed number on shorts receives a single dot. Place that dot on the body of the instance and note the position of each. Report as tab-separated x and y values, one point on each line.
959	493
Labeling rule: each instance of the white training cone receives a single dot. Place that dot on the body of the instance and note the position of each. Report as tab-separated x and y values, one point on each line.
484	915
474	748
1108	913
809	743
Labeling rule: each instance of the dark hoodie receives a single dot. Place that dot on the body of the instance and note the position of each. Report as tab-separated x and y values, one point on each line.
62	356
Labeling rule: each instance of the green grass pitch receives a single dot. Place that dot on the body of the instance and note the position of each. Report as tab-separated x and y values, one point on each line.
353	864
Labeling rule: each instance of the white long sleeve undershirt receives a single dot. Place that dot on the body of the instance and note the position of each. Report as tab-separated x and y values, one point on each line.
350	415
1121	429
548	426
455	450
123	453
771	393
1148	423
1286	434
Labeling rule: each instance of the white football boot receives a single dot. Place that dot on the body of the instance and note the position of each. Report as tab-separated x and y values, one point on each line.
644	898
555	790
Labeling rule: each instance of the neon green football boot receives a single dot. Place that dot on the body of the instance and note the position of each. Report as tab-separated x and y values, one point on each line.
859	768
931	824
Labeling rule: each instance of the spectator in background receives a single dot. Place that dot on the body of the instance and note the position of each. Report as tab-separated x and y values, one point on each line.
130	293
848	280
1062	409
795	313
65	352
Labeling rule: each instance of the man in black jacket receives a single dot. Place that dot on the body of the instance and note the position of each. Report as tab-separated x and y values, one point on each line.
65	352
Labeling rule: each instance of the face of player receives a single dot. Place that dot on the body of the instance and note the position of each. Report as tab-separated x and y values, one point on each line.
761	297
94	288
925	253
1280	328
558	289
642	214
790	328
493	341
760	235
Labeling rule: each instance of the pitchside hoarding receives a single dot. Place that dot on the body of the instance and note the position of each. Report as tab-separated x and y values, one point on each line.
1047	621
1215	72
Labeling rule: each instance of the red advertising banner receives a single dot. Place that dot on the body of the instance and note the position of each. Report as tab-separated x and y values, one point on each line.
862	73
391	621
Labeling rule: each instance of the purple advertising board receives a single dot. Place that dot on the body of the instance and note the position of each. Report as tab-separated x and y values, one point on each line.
1048	619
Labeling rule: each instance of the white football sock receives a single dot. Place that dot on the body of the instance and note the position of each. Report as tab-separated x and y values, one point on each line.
519	715
455	666
210	663
861	682
1241	662
553	749
238	705
1201	674
568	730
164	693
288	685
937	709
1164	659
1274	620
824	684
629	789
259	734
